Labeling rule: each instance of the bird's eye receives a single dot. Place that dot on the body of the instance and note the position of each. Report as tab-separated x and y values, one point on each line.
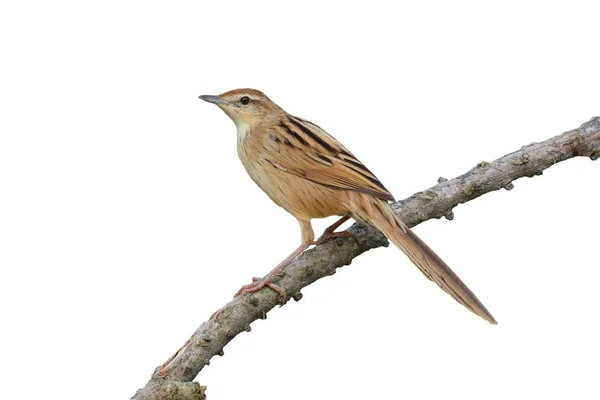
245	100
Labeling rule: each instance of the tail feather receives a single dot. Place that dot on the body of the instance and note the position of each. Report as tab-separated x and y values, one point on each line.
429	263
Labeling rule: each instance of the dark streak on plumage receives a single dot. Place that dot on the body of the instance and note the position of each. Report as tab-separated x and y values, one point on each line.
307	121
399	225
453	294
358	164
318	202
322	157
280	189
365	191
312	135
370	178
376	204
344	152
294	134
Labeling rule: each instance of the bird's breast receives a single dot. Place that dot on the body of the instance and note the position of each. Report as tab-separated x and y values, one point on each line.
300	197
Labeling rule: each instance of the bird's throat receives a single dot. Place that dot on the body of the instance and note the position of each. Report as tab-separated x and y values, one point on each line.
242	131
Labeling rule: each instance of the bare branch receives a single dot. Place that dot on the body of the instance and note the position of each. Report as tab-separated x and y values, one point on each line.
174	380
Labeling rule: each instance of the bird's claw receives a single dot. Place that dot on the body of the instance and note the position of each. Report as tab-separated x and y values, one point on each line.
259	283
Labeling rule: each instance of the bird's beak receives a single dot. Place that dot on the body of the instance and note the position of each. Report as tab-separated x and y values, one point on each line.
212	99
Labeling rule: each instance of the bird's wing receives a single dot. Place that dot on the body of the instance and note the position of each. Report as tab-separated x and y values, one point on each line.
306	150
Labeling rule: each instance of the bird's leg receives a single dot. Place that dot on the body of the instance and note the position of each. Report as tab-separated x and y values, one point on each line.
307	239
330	234
259	283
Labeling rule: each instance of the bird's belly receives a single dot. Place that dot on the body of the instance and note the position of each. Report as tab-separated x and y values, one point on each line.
298	196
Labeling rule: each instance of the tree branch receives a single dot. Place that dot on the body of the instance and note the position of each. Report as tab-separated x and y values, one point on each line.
173	381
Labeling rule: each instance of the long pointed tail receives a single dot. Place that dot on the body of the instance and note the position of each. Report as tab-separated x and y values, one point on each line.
431	265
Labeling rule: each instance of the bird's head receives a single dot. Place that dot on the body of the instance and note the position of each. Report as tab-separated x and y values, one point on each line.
244	106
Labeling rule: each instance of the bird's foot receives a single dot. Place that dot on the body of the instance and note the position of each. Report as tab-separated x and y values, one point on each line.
259	283
331	235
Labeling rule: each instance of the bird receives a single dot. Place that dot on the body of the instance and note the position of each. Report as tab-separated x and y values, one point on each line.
310	174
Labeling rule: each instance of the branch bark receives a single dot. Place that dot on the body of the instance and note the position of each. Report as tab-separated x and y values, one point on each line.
174	380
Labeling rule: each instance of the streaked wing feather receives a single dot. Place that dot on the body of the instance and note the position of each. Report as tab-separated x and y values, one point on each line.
313	154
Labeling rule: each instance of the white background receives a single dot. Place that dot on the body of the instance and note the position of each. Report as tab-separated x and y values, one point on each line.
126	218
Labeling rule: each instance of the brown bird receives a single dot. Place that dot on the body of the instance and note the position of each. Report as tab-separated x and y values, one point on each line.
311	175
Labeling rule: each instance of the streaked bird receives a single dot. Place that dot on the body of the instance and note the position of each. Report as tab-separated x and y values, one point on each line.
311	175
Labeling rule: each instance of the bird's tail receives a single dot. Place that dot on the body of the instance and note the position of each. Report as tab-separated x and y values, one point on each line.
381	215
